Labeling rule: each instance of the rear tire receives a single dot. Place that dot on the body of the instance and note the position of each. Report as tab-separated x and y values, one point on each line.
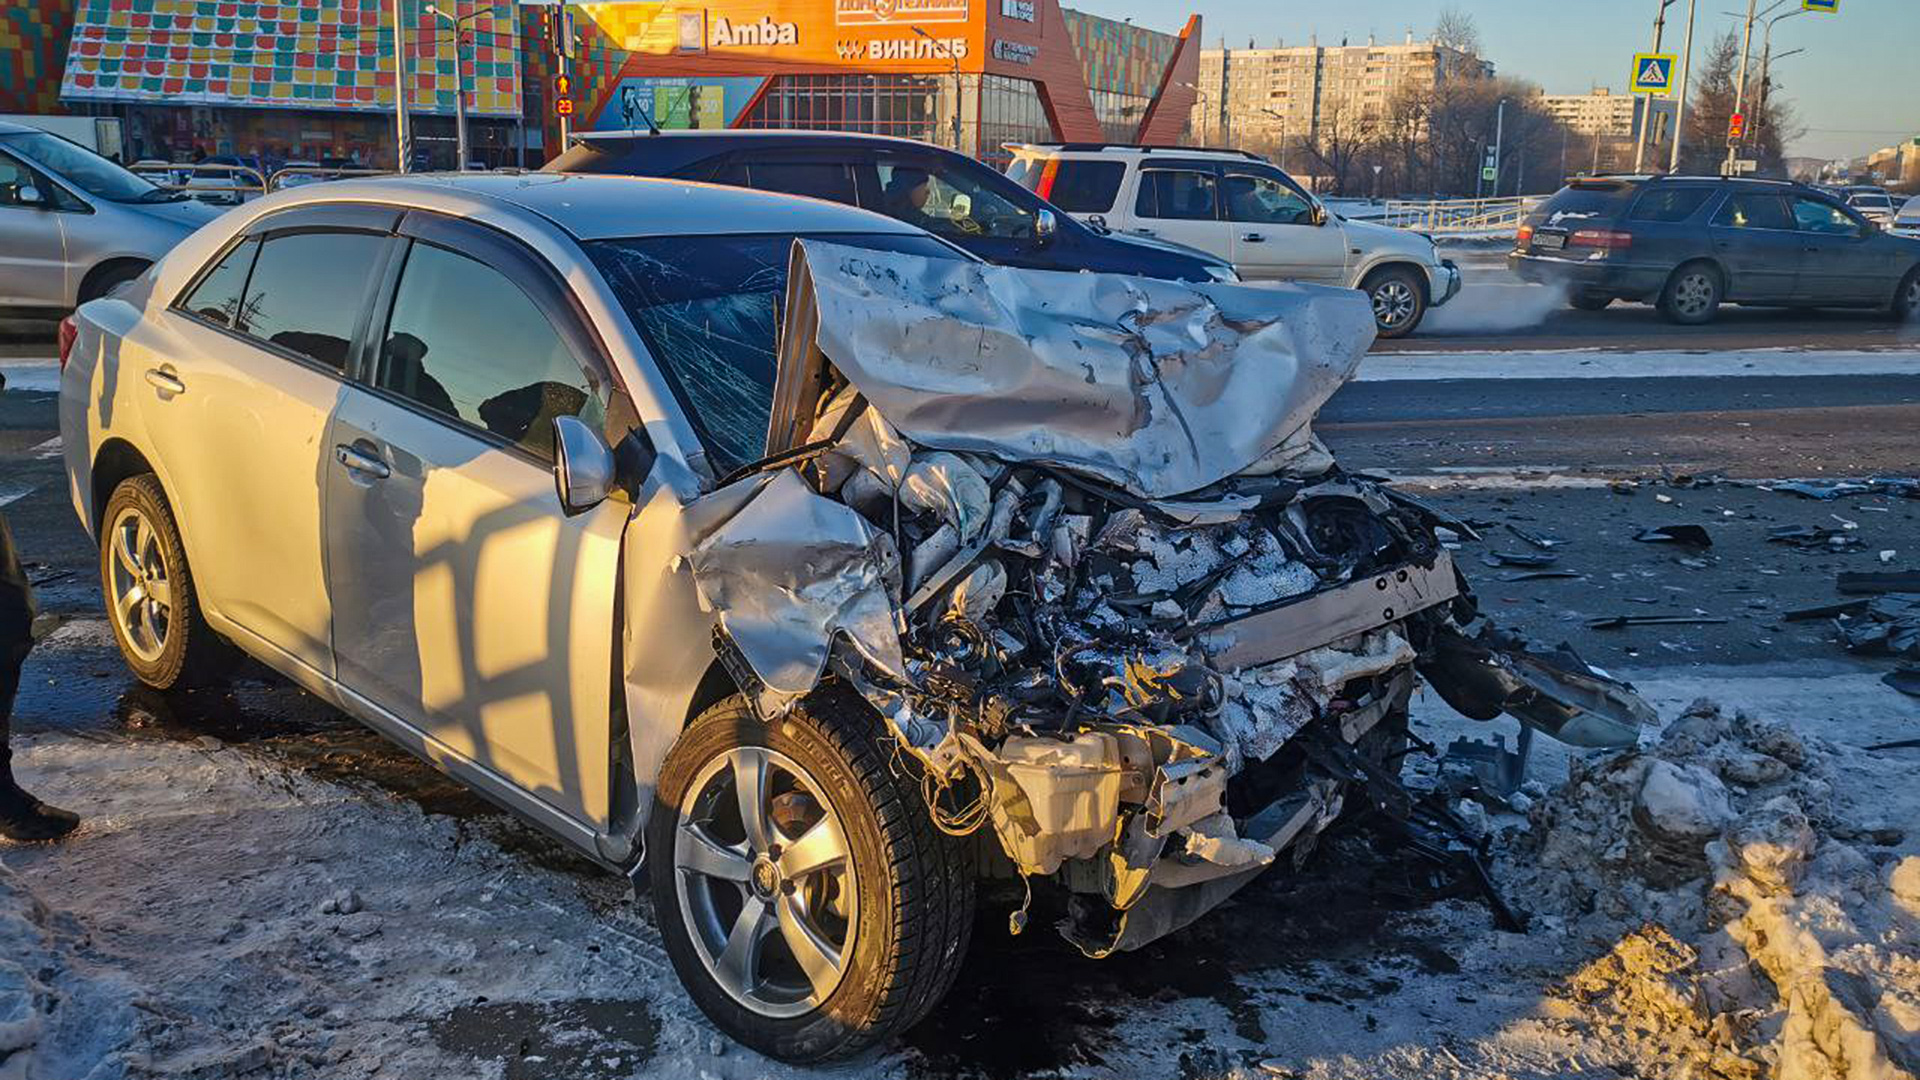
1589	301
148	588
1399	301
894	906
1906	299
1692	295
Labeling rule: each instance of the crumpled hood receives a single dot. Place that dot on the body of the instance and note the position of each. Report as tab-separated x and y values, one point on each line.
1157	387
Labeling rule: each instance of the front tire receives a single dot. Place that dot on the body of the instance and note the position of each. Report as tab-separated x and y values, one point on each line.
804	895
148	587
1692	295
1906	299
1399	301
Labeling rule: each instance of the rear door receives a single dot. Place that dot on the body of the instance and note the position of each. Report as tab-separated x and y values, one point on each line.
239	413
1181	202
794	172
1273	231
33	249
1839	264
1754	238
465	601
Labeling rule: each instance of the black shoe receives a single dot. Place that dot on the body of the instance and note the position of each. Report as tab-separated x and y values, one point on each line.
26	819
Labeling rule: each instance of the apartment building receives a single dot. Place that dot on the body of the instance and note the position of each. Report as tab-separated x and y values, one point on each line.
1254	94
1599	112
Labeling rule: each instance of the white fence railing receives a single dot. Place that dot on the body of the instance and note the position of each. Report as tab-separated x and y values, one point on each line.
232	184
1457	215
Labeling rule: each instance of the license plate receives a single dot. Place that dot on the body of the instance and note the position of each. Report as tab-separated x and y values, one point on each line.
1549	241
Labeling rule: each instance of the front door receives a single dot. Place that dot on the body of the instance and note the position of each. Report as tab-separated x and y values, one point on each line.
1755	239
1839	263
1274	235
1181	205
465	602
957	205
33	250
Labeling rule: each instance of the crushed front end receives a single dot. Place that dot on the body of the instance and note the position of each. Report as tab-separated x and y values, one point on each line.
1073	538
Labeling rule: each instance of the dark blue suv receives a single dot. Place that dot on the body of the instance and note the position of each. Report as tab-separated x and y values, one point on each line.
1689	243
948	194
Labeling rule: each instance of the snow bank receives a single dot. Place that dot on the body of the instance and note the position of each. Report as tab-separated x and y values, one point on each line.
1757	930
56	1022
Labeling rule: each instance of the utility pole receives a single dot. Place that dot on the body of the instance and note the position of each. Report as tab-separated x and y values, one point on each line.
1499	136
945	50
565	26
1686	76
1740	90
459	88
1646	109
401	136
1766	67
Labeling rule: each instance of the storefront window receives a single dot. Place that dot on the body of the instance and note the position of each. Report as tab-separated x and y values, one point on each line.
1010	112
909	106
1120	114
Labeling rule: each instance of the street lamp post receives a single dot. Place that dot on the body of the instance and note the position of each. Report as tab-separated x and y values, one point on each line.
1766	83
400	133
1281	144
1499	136
459	86
944	49
1646	109
1686	76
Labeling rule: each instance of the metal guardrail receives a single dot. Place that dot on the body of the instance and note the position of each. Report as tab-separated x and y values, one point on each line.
1458	215
234	184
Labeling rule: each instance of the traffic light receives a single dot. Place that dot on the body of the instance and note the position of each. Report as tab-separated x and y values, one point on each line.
563	95
1736	126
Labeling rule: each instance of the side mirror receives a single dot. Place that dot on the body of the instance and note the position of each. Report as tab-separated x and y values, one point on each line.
584	471
1045	225
1317	216
30	195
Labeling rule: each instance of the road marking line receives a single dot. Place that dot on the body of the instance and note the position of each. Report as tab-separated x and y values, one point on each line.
49	449
1595	364
14	495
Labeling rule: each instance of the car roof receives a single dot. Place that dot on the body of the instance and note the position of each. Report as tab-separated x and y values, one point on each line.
754	135
605	206
1134	148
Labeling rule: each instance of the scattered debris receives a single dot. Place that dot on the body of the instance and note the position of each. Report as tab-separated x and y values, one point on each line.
1541	575
1855	583
1816	537
1886	626
1539	540
1615	622
1518	558
1906	680
1826	611
1689	535
1828	490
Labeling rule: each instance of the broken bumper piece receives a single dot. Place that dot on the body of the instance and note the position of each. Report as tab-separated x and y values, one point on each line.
1143	629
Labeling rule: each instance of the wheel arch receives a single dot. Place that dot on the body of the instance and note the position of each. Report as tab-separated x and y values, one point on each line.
115	462
1399	262
105	268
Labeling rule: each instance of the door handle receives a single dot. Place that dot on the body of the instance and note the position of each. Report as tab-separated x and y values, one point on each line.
164	380
1143	232
359	461
1253	238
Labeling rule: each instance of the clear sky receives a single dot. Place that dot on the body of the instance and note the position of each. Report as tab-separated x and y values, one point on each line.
1857	87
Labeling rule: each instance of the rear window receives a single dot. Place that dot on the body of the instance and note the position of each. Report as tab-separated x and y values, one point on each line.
1665	203
1572	204
1078	187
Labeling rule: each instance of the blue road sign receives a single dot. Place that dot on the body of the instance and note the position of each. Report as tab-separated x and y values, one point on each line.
1653	73
1831	7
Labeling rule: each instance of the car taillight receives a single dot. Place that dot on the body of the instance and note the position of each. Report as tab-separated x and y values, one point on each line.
68	331
1045	188
1525	234
1600	238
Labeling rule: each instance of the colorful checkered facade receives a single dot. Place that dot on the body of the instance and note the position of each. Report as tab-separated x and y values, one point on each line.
1120	57
300	54
33	48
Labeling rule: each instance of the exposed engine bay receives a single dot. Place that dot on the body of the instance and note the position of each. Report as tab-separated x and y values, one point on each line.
1073	538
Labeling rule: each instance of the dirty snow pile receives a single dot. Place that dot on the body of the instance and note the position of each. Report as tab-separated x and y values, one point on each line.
1760	924
55	1021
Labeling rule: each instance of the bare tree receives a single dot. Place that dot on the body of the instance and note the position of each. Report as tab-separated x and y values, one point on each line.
1337	142
1455	29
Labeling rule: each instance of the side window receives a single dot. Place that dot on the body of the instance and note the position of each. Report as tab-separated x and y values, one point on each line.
1083	187
948	202
217	297
1754	210
307	291
1815	216
1666	203
820	179
13	177
1176	195
466	342
1263	200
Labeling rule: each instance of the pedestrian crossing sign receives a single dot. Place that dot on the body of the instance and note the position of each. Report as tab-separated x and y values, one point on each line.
1832	7
1653	73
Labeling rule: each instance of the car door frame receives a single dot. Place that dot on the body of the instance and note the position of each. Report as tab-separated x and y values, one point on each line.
1314	271
56	200
576	326
1788	239
1221	245
1847	287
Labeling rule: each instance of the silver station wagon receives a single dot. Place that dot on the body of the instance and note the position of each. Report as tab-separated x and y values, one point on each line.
785	544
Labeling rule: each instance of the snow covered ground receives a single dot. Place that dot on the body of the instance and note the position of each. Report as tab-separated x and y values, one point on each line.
259	907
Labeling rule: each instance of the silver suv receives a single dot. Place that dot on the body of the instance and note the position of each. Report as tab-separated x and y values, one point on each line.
1238	206
73	224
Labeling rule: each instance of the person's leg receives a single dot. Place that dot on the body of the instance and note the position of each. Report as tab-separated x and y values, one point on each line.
22	817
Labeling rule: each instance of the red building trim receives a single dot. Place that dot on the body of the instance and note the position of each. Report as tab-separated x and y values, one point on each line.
1172	104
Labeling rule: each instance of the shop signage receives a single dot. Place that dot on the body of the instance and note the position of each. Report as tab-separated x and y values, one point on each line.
866	12
914	48
1017	9
1014	52
726	34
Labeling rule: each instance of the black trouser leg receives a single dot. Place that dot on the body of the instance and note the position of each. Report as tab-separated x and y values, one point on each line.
22	817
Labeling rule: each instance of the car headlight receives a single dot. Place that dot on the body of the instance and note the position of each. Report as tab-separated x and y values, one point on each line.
1222	272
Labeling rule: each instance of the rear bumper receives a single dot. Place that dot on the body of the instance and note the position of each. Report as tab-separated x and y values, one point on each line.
1609	276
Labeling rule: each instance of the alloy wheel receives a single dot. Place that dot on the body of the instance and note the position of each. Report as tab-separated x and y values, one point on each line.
142	584
1393	303
1910	298
765	880
1693	294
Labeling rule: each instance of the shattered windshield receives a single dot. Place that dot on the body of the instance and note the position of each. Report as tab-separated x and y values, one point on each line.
708	308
